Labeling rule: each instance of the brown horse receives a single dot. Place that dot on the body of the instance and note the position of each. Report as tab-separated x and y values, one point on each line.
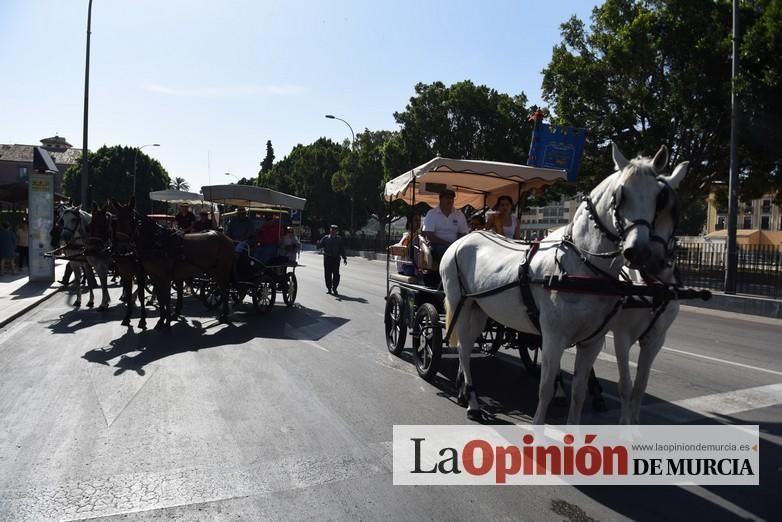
127	262
167	255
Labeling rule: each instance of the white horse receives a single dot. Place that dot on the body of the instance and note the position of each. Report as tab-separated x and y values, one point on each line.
79	242
612	227
648	325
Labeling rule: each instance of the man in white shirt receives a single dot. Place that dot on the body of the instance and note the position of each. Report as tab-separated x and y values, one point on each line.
444	224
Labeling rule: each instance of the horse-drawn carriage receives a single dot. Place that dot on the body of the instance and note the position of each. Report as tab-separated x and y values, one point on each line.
414	295
567	290
260	279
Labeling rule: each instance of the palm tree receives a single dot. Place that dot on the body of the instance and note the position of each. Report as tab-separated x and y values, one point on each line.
180	184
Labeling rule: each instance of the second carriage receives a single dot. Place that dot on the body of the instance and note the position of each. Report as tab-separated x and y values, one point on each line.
414	295
259	279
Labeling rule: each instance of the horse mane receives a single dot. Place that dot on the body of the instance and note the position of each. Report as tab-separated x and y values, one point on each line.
637	166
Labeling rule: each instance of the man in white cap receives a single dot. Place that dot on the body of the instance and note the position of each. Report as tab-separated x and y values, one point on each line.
333	248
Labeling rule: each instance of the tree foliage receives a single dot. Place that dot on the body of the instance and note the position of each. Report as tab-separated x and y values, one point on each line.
653	72
111	176
180	184
268	161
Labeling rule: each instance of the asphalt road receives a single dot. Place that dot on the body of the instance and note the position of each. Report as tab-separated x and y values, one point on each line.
289	415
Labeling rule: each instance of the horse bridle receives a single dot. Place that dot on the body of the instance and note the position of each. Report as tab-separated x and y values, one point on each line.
78	227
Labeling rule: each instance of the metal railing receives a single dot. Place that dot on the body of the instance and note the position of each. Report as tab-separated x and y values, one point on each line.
759	267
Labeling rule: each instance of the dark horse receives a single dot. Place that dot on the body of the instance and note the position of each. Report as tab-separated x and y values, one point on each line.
167	255
128	264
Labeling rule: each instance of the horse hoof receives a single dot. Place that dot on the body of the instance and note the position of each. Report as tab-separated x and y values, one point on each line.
77	304
599	404
90	305
142	325
461	400
125	322
475	415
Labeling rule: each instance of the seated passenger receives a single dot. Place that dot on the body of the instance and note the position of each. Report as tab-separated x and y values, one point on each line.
477	223
240	229
204	222
268	238
290	246
184	219
444	224
505	222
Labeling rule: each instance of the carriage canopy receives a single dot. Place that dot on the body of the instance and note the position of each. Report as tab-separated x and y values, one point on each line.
476	183
249	195
178	196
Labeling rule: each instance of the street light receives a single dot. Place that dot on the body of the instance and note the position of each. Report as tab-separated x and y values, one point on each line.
135	160
234	175
353	149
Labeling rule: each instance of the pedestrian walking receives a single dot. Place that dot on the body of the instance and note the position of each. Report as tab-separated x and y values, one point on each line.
7	249
333	248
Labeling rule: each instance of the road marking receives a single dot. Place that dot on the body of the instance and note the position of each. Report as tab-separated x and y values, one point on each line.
723	361
716	359
718	404
316	345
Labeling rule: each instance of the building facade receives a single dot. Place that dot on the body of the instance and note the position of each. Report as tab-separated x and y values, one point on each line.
759	220
537	222
16	161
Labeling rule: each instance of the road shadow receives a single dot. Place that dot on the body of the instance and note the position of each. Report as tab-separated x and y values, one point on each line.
193	334
343	297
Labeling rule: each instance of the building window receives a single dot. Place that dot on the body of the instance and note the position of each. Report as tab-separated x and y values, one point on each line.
765	222
767	205
21	173
720	223
747	222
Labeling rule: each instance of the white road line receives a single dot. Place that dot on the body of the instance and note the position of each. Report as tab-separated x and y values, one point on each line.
718	404
716	359
723	361
316	345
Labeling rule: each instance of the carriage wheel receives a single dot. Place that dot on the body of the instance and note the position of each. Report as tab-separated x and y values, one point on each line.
492	337
238	295
264	296
396	329
529	358
290	289
427	341
211	295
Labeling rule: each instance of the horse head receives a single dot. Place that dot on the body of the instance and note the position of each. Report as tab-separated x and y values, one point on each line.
100	224
73	222
124	222
663	240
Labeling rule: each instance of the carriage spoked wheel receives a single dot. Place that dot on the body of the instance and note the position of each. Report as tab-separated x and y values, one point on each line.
492	337
395	327
290	289
238	295
264	296
211	295
427	341
529	358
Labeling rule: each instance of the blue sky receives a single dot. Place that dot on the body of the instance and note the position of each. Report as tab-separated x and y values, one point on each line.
211	81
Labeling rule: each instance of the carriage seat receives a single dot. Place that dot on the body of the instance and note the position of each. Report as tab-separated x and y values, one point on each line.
421	258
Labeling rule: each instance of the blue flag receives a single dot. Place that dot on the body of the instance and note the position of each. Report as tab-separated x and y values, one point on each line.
557	147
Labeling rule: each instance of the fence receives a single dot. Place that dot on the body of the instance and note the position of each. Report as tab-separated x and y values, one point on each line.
759	272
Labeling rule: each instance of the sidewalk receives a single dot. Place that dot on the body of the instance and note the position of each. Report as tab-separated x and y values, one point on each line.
18	295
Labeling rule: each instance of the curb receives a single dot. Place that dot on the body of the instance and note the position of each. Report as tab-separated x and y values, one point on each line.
15	315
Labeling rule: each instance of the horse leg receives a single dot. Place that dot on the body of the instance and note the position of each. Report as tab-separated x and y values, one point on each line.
651	345
178	306
551	354
77	279
91	283
596	392
163	297
103	276
586	354
142	306
467	327
127	292
622	347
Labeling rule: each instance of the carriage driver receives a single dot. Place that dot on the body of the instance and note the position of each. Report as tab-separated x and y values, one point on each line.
444	224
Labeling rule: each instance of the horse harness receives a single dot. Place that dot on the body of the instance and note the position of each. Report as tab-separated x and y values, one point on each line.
653	293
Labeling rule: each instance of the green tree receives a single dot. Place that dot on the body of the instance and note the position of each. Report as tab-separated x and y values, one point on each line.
268	160
180	184
308	172
643	76
463	120
111	176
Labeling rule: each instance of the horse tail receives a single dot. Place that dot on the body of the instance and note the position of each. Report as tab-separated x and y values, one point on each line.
453	339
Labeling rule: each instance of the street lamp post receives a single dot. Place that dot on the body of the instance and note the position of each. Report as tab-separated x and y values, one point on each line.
353	149
135	161
234	175
84	160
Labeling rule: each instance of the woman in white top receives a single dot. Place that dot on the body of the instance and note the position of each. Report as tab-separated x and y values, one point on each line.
505	221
